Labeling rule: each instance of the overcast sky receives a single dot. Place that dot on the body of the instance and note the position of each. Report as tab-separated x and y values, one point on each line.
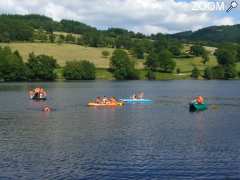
146	16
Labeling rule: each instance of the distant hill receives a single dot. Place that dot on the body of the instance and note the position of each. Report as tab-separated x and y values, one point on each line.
212	34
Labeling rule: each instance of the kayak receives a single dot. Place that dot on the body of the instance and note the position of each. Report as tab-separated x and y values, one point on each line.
105	105
193	106
136	100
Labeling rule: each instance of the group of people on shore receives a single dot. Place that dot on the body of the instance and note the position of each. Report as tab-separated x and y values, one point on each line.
38	93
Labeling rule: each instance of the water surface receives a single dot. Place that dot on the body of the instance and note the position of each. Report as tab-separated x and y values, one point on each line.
162	140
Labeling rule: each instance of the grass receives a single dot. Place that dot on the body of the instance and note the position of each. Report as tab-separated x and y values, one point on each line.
63	52
66	52
186	64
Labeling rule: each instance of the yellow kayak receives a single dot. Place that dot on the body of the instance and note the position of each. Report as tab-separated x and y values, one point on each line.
107	104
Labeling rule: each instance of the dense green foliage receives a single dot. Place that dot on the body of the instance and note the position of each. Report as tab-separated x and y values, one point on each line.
212	34
225	57
208	73
195	73
79	70
122	66
160	61
106	53
12	67
197	50
41	67
151	75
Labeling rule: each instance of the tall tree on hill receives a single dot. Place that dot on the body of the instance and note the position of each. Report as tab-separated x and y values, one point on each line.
122	66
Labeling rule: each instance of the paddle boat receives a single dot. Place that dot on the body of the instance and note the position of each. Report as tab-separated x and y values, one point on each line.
197	105
38	94
94	104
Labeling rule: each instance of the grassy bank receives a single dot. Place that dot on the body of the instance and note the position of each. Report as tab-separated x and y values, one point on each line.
67	52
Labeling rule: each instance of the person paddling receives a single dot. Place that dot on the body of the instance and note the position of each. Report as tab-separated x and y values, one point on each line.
199	100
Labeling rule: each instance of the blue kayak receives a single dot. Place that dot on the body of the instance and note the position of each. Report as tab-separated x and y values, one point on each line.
136	100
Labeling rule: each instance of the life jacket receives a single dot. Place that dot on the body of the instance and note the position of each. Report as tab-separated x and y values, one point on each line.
200	100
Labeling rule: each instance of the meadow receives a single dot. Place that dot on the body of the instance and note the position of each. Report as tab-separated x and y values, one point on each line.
67	52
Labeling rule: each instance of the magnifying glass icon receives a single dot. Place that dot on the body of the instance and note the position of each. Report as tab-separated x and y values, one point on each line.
233	4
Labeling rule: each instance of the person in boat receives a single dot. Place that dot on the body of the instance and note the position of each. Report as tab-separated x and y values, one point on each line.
140	95
134	96
36	92
199	100
113	100
105	100
98	100
31	94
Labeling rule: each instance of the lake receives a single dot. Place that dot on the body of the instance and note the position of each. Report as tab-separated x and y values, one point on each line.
161	140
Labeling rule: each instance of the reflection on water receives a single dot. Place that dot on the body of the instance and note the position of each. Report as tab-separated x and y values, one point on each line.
161	140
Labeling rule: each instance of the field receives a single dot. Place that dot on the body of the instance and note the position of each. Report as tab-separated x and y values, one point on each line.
63	52
67	52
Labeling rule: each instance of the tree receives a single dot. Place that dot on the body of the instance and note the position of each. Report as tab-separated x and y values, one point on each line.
41	67
167	64
151	75
122	66
225	57
175	50
218	72
152	61
52	38
105	53
70	38
208	74
230	72
138	50
79	70
12	67
178	70
195	73
205	57
162	61
238	54
197	50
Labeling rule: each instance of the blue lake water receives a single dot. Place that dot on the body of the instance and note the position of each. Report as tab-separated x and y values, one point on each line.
161	140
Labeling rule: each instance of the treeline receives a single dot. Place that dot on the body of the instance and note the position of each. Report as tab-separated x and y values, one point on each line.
37	28
41	68
213	34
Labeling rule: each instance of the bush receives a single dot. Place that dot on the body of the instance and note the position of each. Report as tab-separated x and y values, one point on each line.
160	61
230	72
175	50
208	74
122	66
12	67
79	70
105	54
195	73
178	70
197	50
41	67
151	75
225	57
218	72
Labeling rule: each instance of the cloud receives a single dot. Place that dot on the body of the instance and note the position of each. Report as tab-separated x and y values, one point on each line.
147	16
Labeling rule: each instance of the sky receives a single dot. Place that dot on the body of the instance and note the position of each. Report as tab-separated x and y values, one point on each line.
145	16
